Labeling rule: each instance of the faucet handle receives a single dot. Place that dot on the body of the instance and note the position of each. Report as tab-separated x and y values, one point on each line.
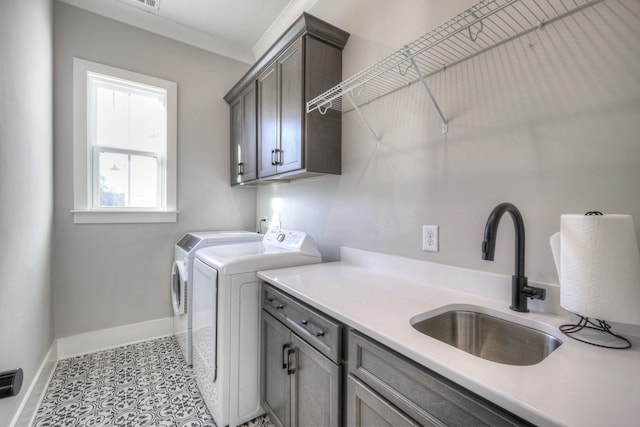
534	293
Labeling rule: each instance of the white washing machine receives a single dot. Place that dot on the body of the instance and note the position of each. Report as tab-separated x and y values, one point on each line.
226	319
182	271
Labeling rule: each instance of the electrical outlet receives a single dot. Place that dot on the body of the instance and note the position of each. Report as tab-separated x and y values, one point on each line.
430	238
263	225
274	224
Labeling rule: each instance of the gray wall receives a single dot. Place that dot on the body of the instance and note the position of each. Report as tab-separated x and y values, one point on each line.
26	193
111	275
548	122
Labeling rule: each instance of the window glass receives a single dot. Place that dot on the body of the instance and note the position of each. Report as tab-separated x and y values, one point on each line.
127	180
128	123
128	117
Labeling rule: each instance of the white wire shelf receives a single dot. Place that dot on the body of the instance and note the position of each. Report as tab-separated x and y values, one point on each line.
482	27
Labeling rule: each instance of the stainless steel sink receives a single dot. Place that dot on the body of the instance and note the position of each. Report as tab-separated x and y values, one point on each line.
488	337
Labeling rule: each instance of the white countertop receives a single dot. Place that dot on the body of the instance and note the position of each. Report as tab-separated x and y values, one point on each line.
576	385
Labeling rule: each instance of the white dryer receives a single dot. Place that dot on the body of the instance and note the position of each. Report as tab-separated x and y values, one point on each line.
226	319
182	270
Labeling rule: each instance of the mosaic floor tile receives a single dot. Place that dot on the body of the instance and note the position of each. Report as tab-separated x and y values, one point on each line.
143	384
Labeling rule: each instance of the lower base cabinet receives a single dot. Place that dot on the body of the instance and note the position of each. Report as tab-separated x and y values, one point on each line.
386	389
300	385
303	355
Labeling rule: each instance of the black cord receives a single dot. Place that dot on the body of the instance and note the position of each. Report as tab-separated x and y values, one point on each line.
569	329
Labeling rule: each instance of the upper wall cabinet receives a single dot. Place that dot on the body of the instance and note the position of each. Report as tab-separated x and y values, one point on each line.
289	143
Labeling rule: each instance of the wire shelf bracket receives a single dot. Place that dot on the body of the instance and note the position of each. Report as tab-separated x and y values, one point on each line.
423	80
362	116
478	29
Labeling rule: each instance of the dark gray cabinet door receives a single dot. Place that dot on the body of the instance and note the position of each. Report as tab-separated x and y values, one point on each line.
290	79
276	383
249	146
268	121
236	140
244	142
316	388
281	109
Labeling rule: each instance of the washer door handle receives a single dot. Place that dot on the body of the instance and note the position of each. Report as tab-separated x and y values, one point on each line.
178	291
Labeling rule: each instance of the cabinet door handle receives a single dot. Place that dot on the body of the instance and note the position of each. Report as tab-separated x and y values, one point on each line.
285	357
276	157
240	168
290	370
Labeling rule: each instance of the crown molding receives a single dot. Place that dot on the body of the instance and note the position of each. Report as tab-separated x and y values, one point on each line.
289	14
164	27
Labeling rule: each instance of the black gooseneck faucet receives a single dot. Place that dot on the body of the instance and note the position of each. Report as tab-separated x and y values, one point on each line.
520	290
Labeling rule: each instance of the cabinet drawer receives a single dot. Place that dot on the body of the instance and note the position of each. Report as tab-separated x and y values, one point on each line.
316	328
366	408
422	394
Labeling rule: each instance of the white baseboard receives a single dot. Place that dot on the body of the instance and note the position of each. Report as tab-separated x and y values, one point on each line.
90	342
33	396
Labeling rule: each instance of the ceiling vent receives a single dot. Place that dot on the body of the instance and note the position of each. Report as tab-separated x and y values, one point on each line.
148	5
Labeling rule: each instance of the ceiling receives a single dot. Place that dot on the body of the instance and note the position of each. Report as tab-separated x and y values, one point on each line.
240	29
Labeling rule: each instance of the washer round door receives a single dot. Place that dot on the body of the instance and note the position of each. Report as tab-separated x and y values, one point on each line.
179	287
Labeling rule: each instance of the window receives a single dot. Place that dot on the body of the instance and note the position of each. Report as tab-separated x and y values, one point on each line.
124	146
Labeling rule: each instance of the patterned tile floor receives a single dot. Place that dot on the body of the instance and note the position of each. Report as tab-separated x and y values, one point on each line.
143	384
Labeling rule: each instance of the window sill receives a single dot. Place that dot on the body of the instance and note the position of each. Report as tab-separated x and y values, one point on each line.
123	217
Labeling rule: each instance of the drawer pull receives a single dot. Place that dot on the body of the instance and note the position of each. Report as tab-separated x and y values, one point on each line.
320	333
279	307
304	321
269	299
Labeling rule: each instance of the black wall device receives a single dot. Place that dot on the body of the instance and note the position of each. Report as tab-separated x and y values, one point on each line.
10	383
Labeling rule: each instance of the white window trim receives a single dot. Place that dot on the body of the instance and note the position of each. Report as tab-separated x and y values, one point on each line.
82	156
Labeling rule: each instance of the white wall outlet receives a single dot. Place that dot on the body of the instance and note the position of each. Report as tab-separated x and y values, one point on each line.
430	238
263	225
274	224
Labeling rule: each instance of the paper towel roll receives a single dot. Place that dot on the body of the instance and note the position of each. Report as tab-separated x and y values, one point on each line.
600	267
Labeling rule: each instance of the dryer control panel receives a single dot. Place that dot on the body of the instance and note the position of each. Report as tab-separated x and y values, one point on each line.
296	240
188	242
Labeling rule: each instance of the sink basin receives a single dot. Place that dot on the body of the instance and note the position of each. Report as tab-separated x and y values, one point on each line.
488	337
